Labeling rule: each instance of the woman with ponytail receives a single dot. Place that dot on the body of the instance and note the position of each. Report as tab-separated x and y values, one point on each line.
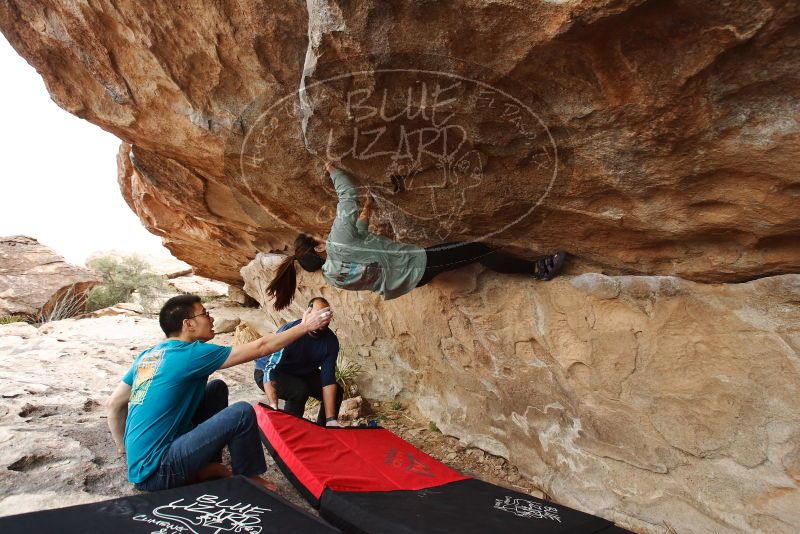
284	284
358	260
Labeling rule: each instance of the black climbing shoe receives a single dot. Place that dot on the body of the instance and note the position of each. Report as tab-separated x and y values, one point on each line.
547	268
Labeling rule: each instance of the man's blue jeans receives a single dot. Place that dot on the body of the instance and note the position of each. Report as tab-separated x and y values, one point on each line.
217	425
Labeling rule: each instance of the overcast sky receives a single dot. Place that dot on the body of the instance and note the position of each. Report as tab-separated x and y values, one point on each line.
59	173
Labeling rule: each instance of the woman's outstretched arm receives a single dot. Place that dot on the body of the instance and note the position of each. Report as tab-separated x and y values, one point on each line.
362	224
345	225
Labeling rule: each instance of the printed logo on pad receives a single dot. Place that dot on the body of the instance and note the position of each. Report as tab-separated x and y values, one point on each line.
206	514
527	509
450	151
407	462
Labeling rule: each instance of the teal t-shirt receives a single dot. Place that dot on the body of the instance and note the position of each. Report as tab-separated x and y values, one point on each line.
168	383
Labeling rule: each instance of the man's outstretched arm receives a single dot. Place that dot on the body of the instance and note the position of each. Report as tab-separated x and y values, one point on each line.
362	224
117	412
312	320
345	226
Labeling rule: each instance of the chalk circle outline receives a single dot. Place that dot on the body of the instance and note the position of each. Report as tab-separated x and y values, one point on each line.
302	93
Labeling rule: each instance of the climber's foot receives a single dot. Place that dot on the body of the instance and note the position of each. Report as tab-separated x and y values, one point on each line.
547	268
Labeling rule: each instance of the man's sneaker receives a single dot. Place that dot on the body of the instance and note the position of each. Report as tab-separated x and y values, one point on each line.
547	268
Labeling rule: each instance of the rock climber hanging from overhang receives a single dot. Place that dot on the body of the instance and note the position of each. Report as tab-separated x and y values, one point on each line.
358	260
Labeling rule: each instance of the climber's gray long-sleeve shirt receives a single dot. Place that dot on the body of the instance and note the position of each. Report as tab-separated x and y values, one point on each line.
358	260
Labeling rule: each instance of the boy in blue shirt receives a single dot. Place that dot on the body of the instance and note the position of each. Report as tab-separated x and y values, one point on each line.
172	422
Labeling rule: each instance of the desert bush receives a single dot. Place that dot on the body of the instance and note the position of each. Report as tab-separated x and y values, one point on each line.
346	377
120	278
8	319
245	333
62	306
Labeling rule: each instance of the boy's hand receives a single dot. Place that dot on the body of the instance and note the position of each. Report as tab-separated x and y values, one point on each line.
314	320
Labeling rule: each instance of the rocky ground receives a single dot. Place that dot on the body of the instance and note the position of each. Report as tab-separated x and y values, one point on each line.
55	448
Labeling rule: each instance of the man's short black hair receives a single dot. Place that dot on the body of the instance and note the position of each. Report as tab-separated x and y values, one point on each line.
174	311
323	299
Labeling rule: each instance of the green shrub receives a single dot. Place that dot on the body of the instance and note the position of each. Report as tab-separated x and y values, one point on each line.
121	277
8	319
63	305
346	376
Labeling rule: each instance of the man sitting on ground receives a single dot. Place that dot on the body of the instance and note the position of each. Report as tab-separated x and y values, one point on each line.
175	423
305	368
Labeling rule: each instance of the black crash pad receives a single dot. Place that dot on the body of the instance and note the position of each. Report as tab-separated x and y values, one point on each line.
233	505
467	507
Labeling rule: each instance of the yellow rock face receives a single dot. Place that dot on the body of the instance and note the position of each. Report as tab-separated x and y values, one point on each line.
641	398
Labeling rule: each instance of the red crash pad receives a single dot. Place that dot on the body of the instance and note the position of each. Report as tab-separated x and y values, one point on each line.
350	459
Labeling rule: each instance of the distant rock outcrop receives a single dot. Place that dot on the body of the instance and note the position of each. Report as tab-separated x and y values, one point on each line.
197	285
167	267
33	277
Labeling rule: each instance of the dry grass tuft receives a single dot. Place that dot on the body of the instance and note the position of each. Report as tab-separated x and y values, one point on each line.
245	334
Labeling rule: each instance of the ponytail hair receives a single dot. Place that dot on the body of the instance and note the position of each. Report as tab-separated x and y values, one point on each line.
284	284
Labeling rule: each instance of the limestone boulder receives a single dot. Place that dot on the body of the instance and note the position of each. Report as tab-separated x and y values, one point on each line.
34	278
167	267
197	285
21	329
353	408
226	326
248	323
642	399
655	141
645	138
122	308
238	296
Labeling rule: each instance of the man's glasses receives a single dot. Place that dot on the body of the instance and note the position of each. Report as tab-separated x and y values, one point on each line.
204	312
